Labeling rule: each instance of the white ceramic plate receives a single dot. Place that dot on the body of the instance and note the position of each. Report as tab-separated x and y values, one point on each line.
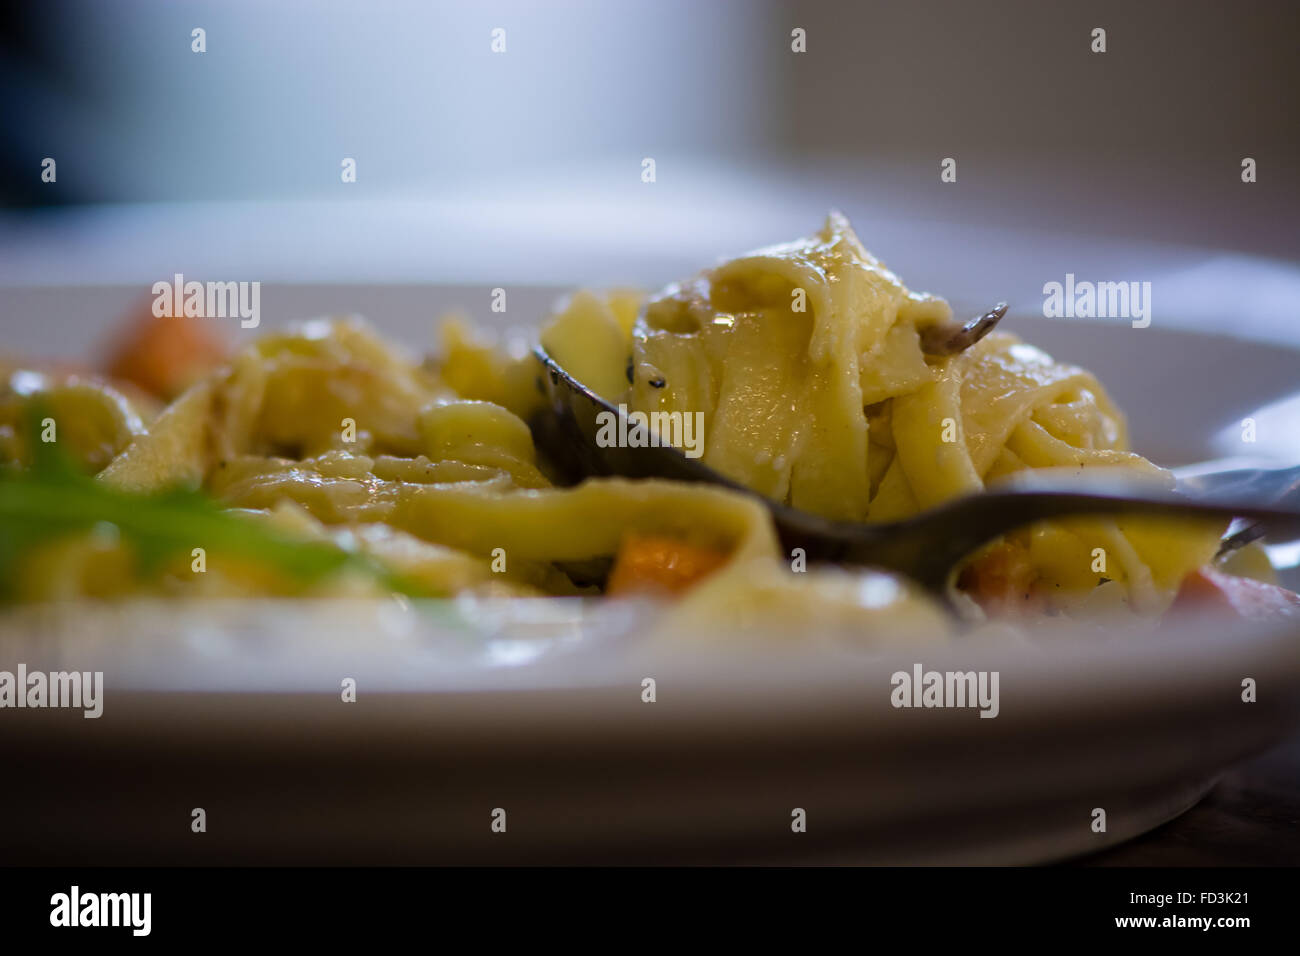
538	710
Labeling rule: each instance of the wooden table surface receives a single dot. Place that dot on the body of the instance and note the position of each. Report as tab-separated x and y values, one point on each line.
1251	818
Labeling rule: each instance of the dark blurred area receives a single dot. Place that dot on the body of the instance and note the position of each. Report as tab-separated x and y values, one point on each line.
1149	135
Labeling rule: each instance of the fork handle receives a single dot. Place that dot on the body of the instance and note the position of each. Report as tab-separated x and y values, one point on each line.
929	547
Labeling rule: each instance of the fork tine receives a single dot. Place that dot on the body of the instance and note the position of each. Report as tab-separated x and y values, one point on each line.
944	339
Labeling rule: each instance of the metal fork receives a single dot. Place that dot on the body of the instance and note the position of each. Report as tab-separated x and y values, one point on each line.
927	547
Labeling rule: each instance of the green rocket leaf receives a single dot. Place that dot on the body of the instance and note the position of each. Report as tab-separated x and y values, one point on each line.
53	499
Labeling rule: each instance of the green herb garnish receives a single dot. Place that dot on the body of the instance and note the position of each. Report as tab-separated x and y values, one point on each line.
53	499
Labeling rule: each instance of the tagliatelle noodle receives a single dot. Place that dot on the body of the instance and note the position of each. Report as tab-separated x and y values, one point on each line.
806	361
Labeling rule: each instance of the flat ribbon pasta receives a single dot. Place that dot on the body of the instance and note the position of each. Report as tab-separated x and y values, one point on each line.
329	431
806	362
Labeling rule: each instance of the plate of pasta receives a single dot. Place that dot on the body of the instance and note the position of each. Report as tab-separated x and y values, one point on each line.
333	542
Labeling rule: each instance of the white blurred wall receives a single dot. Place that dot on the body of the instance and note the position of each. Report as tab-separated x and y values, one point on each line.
408	88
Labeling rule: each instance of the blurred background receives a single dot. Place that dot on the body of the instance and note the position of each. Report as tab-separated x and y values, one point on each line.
525	166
